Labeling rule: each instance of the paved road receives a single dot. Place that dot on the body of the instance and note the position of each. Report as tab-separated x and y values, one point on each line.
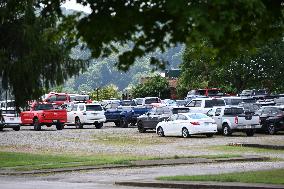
105	178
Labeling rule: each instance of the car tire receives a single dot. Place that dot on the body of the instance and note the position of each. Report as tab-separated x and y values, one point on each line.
141	128
17	128
59	126
209	135
98	125
226	131
37	126
160	132
117	124
123	122
1	128
185	133
250	132
271	129
78	123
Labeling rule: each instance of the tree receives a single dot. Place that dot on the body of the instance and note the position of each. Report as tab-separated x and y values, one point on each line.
263	69
155	86
35	32
108	92
34	50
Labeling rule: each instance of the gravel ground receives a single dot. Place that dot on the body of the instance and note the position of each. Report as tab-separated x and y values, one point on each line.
112	140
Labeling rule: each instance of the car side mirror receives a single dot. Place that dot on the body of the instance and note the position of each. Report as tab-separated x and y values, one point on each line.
217	114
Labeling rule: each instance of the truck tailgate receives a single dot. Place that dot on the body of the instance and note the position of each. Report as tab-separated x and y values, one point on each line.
248	120
55	114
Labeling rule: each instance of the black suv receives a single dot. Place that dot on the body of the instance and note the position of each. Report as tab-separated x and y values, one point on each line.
272	119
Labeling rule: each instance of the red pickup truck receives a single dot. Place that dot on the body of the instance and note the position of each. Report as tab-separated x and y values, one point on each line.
44	114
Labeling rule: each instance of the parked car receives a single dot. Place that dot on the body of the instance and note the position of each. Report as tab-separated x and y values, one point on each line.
147	101
230	119
255	93
204	92
203	105
85	114
120	115
272	119
10	119
152	118
44	114
186	124
250	107
232	100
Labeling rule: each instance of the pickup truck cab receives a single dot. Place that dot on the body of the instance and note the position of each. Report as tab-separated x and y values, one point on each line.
230	119
44	114
203	105
85	114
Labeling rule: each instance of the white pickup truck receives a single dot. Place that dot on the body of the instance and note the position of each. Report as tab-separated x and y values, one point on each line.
230	119
203	105
85	114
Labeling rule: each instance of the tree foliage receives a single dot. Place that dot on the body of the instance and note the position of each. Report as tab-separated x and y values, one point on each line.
155	86
107	92
34	51
263	69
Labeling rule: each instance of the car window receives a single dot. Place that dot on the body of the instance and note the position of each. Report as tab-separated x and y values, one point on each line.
52	98
74	108
266	111
191	104
93	108
180	110
233	111
61	98
181	117
218	111
197	103
44	107
81	107
173	117
214	102
210	113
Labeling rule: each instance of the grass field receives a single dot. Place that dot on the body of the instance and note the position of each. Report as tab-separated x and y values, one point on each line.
267	177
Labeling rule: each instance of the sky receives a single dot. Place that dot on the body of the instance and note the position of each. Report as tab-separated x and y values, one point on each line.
71	4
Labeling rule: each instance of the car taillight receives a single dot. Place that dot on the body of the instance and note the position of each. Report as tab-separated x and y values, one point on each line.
236	120
195	123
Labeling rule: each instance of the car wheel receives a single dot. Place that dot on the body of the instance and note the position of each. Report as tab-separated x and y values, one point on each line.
59	126
271	129
141	129
16	128
117	124
98	125
185	133
78	123
37	126
1	128
160	132
250	132
209	135
123	122
226	130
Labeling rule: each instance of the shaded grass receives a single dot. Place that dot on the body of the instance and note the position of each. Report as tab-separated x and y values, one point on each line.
242	149
267	177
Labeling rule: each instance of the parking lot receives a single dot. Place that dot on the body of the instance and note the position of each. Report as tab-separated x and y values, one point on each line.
112	140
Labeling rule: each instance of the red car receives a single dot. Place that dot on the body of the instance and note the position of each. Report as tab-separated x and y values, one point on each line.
44	114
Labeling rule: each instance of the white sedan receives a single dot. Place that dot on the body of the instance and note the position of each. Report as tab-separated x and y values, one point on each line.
186	124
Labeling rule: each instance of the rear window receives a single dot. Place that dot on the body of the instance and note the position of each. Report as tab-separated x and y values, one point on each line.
93	108
233	101
180	110
214	102
152	100
9	112
61	98
44	107
233	111
128	103
198	116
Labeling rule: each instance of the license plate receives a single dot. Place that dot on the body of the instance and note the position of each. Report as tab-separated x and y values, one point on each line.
248	126
54	120
11	119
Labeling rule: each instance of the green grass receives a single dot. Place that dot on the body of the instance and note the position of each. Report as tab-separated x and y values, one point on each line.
242	149
29	161
124	140
267	177
26	161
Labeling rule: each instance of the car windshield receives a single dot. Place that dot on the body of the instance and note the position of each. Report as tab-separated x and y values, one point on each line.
44	107
198	116
93	108
181	102
246	92
214	92
260	92
139	101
